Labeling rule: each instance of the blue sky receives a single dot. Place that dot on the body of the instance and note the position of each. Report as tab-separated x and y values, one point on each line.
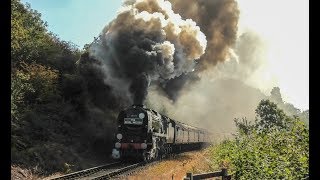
78	21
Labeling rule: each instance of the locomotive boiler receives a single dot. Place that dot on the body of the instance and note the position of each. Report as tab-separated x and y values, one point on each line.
147	135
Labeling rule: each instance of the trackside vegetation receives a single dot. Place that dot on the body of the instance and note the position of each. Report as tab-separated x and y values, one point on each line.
273	146
59	121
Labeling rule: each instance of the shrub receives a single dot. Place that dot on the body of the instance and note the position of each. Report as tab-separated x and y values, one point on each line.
273	147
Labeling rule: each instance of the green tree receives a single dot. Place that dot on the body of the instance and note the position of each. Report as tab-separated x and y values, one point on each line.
20	85
244	126
59	109
44	80
304	116
275	146
269	116
28	33
32	84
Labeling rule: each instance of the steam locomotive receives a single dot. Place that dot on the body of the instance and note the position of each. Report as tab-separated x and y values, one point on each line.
147	135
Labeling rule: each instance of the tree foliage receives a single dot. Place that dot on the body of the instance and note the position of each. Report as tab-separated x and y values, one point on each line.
269	116
20	85
275	146
58	108
28	32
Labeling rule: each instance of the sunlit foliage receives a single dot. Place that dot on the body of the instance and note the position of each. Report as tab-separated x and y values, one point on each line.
275	146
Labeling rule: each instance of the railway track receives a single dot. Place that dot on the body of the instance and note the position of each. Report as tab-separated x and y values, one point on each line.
106	171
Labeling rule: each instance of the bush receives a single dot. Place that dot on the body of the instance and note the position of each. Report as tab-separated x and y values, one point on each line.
34	83
20	85
274	147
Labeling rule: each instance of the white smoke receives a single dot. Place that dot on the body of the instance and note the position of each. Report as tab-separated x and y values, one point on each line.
147	37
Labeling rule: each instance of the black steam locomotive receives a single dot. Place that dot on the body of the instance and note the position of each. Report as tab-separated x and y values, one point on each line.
146	134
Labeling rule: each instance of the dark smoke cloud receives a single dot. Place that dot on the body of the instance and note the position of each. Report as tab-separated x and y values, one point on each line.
185	58
172	88
218	19
147	43
138	88
164	44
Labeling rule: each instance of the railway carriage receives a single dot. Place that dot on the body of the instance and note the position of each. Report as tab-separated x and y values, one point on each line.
146	134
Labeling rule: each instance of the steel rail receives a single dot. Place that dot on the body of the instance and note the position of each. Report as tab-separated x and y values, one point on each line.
86	172
117	172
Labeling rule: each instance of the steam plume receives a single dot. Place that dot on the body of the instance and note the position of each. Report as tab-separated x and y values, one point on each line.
147	43
247	57
218	19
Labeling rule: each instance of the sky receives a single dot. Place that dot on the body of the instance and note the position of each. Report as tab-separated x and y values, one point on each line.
78	21
283	25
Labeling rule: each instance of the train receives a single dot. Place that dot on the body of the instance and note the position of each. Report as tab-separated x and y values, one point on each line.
147	135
